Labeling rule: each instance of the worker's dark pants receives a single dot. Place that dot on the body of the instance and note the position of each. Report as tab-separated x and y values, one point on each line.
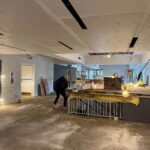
63	93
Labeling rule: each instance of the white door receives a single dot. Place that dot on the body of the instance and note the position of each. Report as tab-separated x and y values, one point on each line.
27	79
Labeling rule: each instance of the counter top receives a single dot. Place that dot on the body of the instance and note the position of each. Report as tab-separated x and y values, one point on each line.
140	92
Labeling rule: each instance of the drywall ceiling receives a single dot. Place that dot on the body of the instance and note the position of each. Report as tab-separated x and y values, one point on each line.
36	26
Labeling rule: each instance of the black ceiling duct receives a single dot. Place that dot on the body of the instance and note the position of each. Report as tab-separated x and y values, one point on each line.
74	13
112	53
133	42
62	43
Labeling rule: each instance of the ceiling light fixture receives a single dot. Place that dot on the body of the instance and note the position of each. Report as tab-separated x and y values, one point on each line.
74	13
109	56
62	43
133	42
112	53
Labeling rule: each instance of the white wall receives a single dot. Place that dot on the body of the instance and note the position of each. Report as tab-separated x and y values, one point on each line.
12	63
43	68
10	92
74	58
145	57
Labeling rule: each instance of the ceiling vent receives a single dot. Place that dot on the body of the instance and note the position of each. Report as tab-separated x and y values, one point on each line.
133	42
74	13
62	43
112	53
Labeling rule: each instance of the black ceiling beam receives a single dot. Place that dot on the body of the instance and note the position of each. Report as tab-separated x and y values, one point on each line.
112	53
74	13
62	43
133	42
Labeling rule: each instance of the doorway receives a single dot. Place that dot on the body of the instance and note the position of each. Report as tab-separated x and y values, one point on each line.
27	80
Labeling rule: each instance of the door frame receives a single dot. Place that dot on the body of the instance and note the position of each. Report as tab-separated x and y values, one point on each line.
33	76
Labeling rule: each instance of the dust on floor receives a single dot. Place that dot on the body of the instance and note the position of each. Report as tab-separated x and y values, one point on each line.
33	124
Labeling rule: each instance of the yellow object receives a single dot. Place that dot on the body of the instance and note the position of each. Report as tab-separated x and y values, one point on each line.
105	97
125	93
135	85
131	84
140	83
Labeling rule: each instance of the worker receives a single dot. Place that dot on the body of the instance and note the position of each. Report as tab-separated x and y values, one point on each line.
60	87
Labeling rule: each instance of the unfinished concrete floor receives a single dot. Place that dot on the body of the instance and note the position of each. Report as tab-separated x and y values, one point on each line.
34	125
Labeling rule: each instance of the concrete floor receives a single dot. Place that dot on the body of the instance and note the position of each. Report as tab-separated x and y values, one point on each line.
34	125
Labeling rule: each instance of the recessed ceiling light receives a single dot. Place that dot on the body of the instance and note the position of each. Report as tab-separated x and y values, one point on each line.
108	56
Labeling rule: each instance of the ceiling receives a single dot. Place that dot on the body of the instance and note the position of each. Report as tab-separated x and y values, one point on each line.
36	26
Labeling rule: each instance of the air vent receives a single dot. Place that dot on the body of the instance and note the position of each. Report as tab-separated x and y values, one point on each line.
1	34
74	13
62	43
133	42
111	53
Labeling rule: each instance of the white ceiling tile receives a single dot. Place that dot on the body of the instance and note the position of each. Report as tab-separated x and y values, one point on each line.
111	26
106	33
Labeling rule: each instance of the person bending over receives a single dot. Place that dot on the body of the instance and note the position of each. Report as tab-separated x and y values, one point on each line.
60	87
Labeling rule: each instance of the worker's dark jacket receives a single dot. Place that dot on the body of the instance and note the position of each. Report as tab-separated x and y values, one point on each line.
61	84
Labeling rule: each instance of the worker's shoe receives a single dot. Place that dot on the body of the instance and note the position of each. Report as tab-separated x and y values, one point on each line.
54	106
